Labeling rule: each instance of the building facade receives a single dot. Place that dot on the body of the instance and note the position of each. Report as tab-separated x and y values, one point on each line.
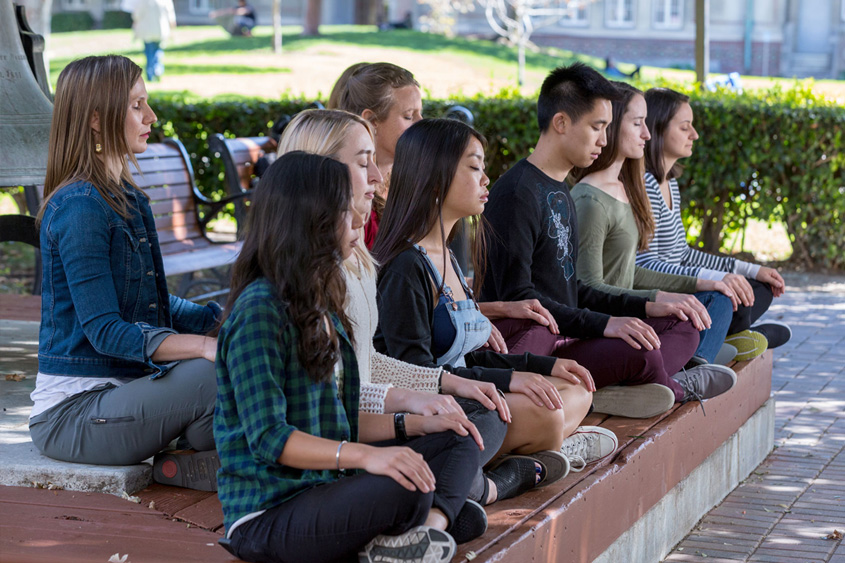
760	37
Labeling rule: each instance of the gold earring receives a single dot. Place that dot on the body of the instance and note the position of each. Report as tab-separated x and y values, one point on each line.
98	148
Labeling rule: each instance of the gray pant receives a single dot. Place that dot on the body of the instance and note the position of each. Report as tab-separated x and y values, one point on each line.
127	424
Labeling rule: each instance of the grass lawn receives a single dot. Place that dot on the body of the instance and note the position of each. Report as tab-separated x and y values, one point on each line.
205	61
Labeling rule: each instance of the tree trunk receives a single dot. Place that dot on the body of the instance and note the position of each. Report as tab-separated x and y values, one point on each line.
312	18
277	26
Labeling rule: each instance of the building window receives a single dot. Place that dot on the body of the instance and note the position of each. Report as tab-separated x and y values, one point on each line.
668	14
113	5
198	6
619	13
577	13
74	5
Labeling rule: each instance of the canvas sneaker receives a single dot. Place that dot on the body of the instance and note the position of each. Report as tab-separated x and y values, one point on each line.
705	381
588	444
748	343
634	401
776	333
422	544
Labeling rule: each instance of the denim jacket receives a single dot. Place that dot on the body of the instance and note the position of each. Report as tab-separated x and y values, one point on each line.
105	308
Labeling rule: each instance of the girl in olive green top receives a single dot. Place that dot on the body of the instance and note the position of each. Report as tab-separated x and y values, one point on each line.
614	221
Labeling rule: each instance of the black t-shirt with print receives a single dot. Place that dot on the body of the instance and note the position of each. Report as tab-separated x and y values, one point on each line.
533	249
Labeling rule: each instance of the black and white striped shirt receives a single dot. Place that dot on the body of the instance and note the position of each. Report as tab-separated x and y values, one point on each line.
669	252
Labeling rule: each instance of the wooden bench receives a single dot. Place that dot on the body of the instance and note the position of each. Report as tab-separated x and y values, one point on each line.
239	156
21	228
165	173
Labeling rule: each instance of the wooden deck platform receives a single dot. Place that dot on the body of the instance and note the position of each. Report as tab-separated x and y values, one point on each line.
574	520
581	516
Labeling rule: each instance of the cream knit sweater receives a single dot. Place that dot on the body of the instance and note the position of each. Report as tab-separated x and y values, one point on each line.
378	372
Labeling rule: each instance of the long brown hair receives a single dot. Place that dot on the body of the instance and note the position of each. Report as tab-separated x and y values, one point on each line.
370	86
92	84
292	240
632	171
663	104
427	158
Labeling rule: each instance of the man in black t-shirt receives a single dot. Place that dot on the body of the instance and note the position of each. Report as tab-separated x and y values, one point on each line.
633	348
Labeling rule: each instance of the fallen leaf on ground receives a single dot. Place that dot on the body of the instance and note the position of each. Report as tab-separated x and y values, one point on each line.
116	558
835	535
15	377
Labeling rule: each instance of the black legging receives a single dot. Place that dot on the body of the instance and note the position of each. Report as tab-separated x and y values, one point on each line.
744	317
333	522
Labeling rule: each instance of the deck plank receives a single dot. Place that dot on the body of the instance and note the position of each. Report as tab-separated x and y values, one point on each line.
42	525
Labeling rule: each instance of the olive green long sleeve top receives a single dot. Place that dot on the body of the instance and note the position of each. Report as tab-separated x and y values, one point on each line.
608	238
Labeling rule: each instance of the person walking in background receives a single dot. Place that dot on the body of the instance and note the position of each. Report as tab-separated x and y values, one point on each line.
152	21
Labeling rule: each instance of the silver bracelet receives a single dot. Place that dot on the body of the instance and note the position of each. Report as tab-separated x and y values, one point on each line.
337	455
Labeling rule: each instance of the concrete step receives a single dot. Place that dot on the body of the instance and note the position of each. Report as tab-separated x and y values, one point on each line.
24	466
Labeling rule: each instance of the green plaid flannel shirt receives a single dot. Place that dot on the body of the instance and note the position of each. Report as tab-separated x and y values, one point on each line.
263	395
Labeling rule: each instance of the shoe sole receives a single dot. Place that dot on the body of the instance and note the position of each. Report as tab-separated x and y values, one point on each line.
417	545
634	401
749	344
196	470
555	463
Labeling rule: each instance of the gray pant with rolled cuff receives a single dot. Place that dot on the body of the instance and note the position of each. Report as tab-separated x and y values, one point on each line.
124	425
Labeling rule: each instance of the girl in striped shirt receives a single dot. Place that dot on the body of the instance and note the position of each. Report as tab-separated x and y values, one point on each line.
753	286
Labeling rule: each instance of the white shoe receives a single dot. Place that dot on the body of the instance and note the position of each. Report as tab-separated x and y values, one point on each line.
588	444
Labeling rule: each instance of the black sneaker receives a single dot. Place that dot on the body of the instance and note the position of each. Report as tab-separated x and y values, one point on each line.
776	333
470	523
422	544
189	469
705	381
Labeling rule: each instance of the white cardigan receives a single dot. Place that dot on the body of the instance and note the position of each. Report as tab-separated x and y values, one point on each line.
378	372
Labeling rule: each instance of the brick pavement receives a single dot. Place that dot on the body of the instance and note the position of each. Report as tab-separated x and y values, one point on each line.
785	511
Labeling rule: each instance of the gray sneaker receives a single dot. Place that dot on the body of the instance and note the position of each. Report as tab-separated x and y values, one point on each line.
588	444
705	381
634	401
422	544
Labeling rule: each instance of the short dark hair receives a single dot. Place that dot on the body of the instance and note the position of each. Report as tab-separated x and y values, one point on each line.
572	90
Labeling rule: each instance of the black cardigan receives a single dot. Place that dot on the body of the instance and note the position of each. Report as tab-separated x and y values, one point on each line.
406	302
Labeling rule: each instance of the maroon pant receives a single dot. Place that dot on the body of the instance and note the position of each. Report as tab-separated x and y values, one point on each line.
611	361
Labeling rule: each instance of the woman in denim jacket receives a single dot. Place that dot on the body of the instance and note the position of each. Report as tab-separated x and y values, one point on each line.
123	366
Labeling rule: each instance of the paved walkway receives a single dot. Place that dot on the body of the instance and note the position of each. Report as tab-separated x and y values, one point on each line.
790	509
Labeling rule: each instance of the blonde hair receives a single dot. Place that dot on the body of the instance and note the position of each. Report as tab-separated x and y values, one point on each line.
323	132
87	86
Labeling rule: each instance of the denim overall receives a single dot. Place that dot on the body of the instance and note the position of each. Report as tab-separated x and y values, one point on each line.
472	329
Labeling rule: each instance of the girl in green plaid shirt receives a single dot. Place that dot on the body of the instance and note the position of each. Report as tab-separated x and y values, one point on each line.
295	483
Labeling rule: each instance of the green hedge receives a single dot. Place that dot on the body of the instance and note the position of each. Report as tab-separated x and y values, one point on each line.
117	20
771	155
71	21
